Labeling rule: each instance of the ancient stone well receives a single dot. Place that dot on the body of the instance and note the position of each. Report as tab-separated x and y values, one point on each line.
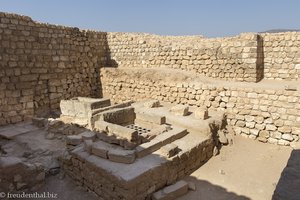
131	150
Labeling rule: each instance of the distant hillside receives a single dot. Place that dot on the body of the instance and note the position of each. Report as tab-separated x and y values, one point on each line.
280	30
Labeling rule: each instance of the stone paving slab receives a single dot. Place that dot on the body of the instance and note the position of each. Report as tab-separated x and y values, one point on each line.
11	131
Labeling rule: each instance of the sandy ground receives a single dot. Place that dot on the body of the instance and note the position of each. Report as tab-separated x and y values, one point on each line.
246	170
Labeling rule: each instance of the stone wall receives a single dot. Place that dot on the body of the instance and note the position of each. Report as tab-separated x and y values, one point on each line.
266	112
40	64
86	170
231	58
281	53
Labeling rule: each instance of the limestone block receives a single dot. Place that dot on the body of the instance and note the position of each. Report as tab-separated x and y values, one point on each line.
171	192
73	140
283	142
264	134
88	135
271	127
121	156
290	87
152	104
67	108
170	150
276	134
180	110
161	140
118	131
285	129
151	117
121	116
100	149
88	145
287	137
201	113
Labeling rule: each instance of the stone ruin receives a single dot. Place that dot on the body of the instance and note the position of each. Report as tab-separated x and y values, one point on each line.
128	115
132	150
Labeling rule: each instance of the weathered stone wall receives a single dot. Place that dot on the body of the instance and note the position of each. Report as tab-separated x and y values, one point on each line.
266	112
281	55
86	170
40	64
232	58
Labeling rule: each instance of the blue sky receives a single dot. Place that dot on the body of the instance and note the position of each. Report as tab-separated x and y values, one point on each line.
211	18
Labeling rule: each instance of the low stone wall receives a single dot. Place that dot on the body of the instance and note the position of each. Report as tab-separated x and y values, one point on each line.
281	54
86	170
258	111
232	58
40	64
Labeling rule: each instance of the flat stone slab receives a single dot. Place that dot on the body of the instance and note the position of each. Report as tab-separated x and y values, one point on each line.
159	141
151	117
118	131
180	110
171	192
73	139
8	132
121	156
101	149
121	116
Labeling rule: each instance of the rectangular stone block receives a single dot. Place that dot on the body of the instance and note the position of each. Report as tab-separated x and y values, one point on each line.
73	140
121	156
201	113
118	131
180	110
100	149
159	141
171	192
151	117
121	116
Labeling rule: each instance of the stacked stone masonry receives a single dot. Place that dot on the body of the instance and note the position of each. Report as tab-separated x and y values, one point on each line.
232	58
40	64
281	55
271	115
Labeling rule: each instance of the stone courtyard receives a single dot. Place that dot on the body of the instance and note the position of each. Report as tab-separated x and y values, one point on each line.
140	116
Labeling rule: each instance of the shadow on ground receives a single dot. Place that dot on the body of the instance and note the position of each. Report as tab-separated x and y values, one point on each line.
207	191
288	187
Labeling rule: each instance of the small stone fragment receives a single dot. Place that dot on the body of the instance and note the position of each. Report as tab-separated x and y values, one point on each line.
201	113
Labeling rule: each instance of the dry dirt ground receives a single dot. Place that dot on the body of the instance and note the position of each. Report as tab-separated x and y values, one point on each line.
246	170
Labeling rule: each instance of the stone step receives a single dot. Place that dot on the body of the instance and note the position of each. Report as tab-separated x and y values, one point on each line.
113	152
160	141
172	191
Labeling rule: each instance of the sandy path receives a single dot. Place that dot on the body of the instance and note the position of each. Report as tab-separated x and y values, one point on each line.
246	170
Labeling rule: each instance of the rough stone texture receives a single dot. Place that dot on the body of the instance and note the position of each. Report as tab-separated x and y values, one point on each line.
171	192
117	131
201	113
231	58
253	111
139	179
151	118
181	110
40	64
82	108
17	175
281	55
